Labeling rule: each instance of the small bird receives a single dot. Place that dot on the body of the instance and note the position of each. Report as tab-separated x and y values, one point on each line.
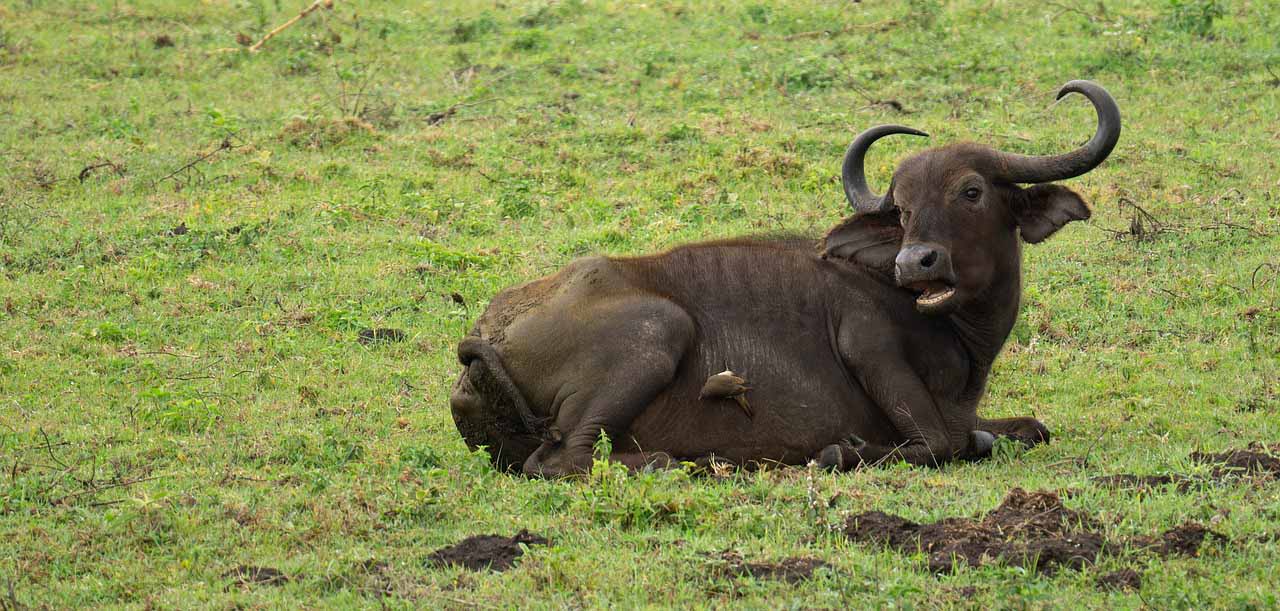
727	385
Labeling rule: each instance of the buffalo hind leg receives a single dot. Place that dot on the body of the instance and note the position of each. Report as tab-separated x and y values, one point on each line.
604	407
611	390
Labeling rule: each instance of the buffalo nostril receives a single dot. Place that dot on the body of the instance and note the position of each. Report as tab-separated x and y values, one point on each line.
929	259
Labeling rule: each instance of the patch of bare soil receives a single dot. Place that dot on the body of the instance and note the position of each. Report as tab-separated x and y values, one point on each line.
1257	459
1032	529
1029	528
1128	481
1123	580
374	336
790	570
1182	540
481	552
246	575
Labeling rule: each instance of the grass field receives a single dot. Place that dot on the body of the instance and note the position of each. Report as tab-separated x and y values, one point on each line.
193	237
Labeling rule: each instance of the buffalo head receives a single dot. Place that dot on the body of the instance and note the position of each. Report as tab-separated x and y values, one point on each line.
949	223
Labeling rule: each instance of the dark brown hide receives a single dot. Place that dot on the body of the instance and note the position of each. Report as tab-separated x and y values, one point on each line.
874	342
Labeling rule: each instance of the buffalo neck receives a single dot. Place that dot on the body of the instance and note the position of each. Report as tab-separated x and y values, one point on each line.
984	323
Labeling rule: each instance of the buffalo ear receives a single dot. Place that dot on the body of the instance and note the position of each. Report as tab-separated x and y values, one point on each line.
871	239
1041	210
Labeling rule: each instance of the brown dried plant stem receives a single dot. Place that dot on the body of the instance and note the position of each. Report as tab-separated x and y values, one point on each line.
328	4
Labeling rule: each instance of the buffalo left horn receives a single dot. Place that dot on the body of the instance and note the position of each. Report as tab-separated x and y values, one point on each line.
1032	169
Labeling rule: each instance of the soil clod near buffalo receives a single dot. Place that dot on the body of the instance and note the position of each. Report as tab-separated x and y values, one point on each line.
1257	459
1031	529
1124	580
1127	481
481	552
374	336
245	575
791	570
1184	540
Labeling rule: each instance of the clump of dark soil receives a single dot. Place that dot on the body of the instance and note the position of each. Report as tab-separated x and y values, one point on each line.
375	336
162	41
791	570
1127	481
1032	529
481	552
245	575
1257	459
1123	580
1029	528
1184	540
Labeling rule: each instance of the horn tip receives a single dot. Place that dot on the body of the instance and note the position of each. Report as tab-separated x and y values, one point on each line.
1076	86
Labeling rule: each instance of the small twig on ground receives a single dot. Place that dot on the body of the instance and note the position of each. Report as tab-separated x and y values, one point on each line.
224	145
1275	80
96	489
1226	225
11	602
1071	9
106	163
878	26
328	4
874	101
437	118
167	353
48	446
1084	460
1253	278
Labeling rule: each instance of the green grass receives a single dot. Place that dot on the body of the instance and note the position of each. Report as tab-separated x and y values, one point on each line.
174	404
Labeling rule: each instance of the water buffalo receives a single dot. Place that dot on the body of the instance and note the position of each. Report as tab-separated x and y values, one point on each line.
874	342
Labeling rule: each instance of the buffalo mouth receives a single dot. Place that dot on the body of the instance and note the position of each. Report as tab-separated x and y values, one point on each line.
932	293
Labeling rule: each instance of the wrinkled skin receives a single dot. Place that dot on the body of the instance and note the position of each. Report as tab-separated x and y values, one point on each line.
873	343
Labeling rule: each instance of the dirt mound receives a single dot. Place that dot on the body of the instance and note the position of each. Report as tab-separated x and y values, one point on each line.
1128	481
245	575
1124	580
1029	528
1182	540
1257	459
481	552
791	570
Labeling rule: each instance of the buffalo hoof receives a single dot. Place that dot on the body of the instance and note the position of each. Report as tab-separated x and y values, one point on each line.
831	458
980	444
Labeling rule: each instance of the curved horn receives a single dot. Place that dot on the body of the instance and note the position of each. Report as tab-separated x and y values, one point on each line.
1030	169
853	174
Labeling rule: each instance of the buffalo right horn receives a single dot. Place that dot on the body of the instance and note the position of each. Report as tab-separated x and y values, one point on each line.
1031	169
853	173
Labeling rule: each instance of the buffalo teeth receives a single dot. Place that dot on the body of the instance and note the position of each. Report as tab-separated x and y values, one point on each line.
936	298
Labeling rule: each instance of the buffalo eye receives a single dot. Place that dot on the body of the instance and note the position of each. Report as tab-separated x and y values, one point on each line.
904	216
972	194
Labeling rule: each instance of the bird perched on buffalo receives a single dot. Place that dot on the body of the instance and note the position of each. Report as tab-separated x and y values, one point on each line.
727	385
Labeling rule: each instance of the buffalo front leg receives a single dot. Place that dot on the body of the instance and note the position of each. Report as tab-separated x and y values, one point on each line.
613	381
932	431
